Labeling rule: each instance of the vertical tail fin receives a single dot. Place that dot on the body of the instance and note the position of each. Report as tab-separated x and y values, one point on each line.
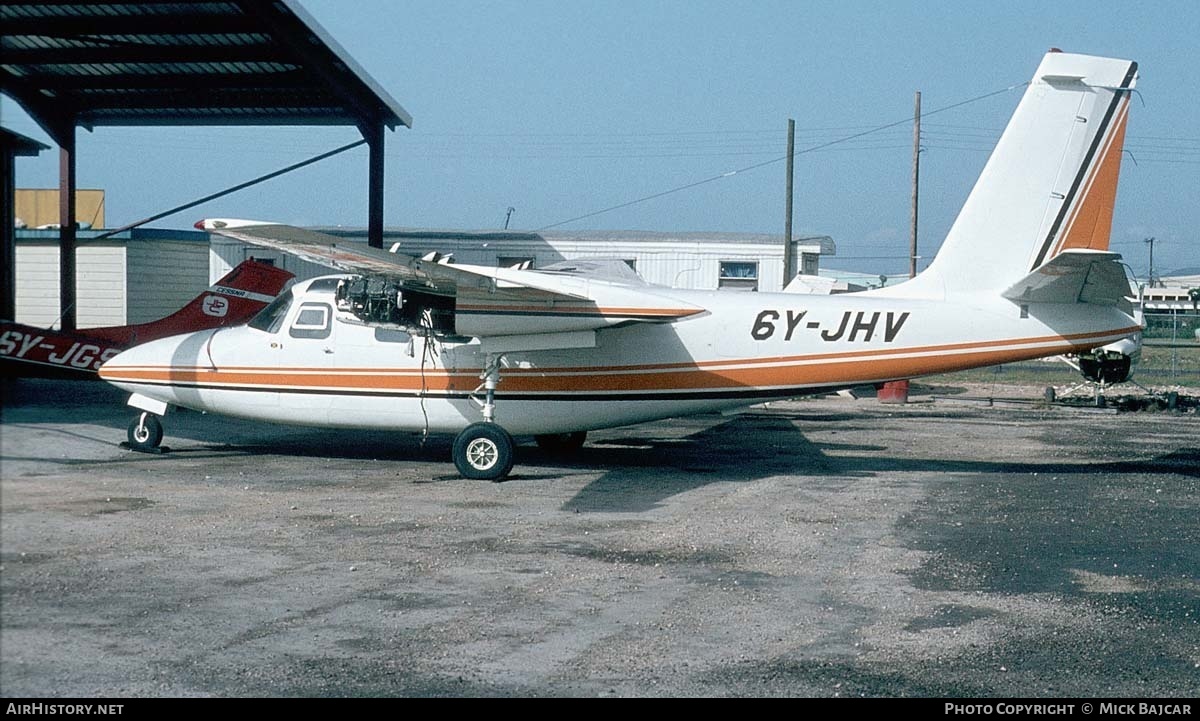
234	299
1049	185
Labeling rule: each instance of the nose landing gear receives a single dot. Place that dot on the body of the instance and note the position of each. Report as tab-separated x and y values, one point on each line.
145	433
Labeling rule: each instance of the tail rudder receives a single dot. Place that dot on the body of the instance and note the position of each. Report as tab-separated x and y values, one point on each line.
1050	184
234	299
1085	219
252	279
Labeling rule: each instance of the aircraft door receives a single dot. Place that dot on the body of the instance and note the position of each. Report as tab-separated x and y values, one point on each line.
306	355
380	361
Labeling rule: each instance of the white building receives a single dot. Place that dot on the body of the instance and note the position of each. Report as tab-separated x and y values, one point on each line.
144	274
135	276
1174	294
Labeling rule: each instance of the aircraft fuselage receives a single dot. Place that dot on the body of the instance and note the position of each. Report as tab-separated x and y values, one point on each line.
320	366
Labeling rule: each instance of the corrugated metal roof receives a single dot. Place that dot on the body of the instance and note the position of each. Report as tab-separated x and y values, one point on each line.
238	62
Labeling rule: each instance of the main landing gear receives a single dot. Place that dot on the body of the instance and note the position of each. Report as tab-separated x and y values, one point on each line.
483	451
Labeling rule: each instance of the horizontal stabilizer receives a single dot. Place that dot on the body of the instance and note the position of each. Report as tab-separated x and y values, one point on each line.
1074	276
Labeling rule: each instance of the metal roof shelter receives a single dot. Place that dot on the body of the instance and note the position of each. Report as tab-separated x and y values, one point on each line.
234	62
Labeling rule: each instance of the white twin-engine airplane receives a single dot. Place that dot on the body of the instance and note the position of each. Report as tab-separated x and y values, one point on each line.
405	343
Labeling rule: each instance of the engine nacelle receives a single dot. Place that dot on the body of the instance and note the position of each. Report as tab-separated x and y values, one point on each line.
385	302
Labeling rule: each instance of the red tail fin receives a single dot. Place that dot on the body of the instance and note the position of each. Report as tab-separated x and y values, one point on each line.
232	300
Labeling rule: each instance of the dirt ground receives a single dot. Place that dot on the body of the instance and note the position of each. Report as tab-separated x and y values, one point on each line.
825	547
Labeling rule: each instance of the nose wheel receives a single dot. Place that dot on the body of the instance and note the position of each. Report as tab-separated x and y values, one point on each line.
483	451
145	433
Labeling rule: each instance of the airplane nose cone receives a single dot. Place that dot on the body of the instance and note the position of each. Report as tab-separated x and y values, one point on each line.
111	369
136	357
157	361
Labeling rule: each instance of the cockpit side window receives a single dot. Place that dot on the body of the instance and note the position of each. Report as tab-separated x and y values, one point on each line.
270	319
312	321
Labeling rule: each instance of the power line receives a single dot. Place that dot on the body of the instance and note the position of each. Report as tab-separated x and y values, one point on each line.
779	159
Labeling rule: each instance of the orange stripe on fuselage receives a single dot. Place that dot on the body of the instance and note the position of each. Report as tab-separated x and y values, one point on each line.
799	371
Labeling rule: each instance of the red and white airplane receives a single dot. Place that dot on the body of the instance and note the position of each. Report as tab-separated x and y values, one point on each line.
27	351
406	343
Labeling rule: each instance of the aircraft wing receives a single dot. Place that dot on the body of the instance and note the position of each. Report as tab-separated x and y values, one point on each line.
1074	276
487	301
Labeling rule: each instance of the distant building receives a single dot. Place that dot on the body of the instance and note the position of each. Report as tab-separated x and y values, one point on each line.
132	277
1173	294
38	207
145	274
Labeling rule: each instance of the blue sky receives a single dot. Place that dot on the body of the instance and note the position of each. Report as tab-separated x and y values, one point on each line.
560	109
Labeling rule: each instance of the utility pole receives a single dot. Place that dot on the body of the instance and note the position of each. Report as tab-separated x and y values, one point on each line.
789	265
1150	242
508	216
916	177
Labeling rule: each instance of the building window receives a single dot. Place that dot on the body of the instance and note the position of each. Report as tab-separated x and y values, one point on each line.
738	275
808	263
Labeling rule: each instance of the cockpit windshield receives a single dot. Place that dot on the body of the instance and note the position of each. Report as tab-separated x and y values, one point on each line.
270	319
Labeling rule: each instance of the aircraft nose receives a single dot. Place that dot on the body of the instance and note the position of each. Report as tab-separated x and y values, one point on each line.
125	363
157	360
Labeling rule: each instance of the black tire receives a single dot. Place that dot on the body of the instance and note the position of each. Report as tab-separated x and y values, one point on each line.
484	452
561	443
145	432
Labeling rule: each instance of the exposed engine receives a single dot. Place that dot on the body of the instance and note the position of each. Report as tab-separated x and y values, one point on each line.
383	301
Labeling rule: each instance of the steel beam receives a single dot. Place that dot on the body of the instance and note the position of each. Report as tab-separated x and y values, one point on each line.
66	220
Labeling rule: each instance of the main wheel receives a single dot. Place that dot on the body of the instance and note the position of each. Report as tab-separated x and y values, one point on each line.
561	443
145	432
483	451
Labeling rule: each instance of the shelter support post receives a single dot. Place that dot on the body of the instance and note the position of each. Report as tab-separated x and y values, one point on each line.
8	236
67	230
373	133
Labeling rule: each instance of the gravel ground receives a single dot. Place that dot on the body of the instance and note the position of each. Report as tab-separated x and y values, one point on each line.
827	547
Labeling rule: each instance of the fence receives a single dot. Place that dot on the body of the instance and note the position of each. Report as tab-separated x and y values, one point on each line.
1170	357
1171	347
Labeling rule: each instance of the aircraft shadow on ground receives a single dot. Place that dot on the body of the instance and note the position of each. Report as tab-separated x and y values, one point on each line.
742	448
752	447
41	400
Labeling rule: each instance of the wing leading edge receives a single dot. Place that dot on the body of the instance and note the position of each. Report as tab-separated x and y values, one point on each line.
488	302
